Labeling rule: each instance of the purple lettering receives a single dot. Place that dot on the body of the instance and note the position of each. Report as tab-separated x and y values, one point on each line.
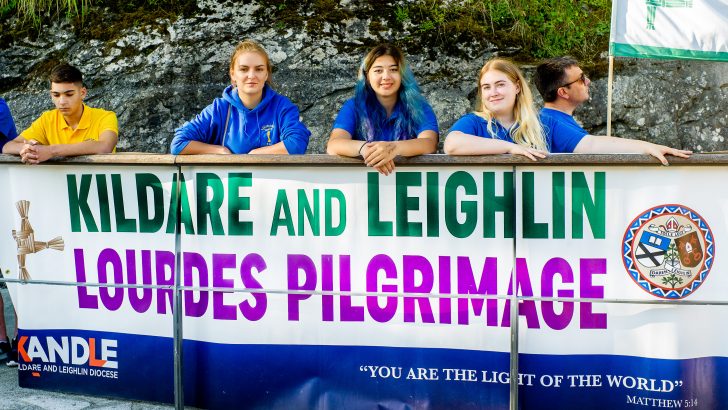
526	308
412	264
327	285
588	268
85	301
195	261
253	311
111	300
220	310
381	263
139	303
298	263
445	289
165	262
556	266
488	285
349	313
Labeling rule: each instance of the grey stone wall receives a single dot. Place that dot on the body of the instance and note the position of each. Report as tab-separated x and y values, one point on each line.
155	79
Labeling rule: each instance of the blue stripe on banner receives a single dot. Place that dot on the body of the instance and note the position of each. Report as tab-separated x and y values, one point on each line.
334	377
145	364
625	382
362	377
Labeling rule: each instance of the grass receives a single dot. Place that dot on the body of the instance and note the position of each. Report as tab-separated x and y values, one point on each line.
98	19
535	29
33	10
538	28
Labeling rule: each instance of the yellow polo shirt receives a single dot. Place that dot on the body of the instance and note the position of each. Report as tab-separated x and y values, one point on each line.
51	129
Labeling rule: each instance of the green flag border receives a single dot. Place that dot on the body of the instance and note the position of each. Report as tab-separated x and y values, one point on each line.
640	51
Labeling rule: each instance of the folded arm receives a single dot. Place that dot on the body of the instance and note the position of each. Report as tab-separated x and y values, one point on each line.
460	143
32	152
278	148
14	146
601	144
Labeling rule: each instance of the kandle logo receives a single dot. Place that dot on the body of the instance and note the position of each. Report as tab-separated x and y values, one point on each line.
72	350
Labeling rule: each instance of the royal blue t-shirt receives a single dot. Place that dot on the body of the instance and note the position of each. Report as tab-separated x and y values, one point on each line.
8	132
561	136
476	125
347	121
561	130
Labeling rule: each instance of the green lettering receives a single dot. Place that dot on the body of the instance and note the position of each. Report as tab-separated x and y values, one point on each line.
104	206
469	208
531	228
78	203
186	214
329	196
143	183
433	205
493	203
237	203
582	201
558	205
123	224
376	227
312	214
404	203
209	208
286	220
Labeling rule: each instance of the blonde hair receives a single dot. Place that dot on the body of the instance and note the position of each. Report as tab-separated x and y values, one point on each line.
247	46
529	131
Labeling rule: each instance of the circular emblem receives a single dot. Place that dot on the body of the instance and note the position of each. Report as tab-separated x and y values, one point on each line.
668	251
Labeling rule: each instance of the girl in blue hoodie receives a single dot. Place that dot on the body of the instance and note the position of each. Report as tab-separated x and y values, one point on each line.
388	115
250	118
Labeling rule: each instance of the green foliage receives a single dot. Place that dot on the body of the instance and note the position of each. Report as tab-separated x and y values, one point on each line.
540	28
34	10
7	6
102	19
401	14
535	28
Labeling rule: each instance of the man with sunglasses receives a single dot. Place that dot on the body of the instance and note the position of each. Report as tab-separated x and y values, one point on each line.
564	86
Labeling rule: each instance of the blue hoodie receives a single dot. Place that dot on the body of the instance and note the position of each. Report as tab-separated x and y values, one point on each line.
7	126
273	120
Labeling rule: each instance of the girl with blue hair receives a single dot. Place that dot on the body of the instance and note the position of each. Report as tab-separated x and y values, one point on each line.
388	115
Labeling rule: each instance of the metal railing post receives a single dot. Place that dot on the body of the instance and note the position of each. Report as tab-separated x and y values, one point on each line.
513	389
177	335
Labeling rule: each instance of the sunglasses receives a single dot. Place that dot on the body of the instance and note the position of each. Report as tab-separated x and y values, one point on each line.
581	78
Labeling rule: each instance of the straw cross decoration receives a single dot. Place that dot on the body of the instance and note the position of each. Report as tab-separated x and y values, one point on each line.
25	239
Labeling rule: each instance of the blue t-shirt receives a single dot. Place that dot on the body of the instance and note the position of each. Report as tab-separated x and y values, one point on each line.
476	125
560	134
562	131
8	132
348	121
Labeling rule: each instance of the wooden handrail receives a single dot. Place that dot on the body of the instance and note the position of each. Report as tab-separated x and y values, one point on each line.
133	158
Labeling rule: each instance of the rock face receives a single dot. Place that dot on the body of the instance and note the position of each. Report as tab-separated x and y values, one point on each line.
157	78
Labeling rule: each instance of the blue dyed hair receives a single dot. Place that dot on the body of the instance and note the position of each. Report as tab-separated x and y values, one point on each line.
371	115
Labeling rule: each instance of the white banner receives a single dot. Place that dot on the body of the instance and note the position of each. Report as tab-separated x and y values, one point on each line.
337	285
673	29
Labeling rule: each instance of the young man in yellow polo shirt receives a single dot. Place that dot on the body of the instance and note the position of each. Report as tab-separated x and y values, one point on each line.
73	128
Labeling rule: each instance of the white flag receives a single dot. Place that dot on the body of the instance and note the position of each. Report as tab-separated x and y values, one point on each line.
690	29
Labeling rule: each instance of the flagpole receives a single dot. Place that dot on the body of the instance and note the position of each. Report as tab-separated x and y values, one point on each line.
610	80
610	75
